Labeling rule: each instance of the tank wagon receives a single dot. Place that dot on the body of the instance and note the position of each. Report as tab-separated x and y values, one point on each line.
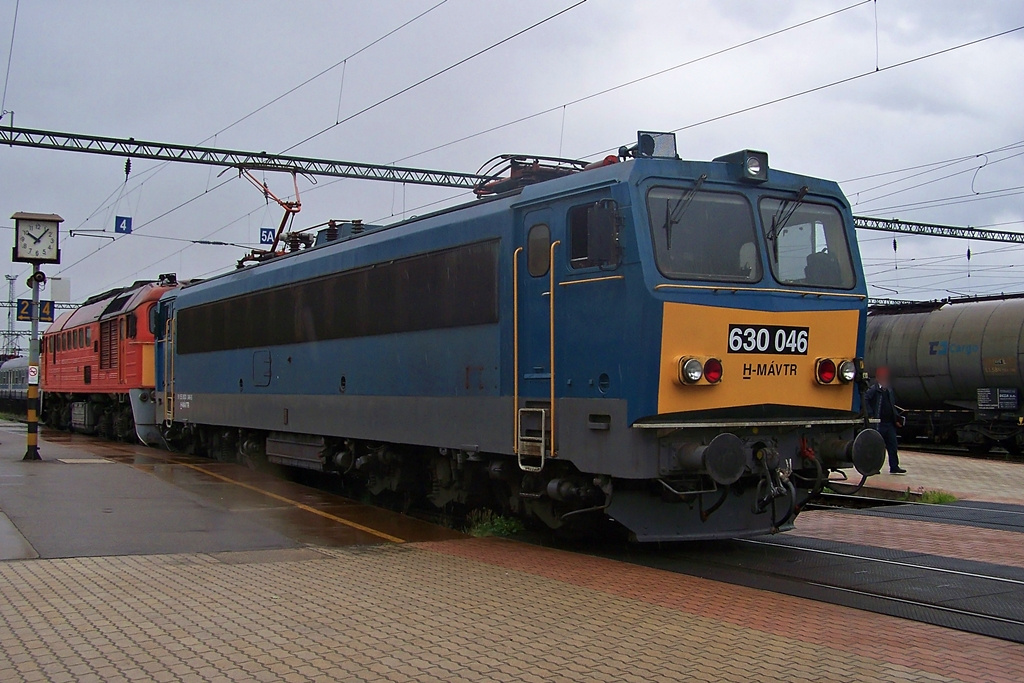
957	365
676	345
97	365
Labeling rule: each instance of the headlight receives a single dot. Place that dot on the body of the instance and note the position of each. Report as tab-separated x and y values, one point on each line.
847	371
753	166
692	371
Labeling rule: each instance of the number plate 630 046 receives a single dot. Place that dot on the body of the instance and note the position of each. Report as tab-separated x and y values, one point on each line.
775	339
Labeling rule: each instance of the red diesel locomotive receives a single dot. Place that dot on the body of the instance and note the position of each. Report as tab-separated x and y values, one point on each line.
97	364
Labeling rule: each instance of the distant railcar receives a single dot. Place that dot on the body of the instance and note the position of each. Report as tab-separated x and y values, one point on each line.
14	384
97	365
958	366
671	344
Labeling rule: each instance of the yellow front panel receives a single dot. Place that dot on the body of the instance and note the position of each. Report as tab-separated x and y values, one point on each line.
703	331
148	371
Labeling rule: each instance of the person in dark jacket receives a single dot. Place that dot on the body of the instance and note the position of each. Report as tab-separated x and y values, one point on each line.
881	404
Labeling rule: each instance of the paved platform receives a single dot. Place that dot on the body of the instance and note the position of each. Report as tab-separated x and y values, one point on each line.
91	497
965	477
473	610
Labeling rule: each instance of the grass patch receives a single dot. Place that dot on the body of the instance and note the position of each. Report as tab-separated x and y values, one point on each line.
937	497
485	522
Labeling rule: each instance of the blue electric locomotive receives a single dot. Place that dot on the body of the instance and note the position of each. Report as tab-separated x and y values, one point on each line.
672	344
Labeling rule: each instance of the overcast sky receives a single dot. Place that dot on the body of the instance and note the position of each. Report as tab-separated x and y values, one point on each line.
183	71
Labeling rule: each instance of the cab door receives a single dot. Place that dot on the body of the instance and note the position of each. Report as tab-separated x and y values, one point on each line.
535	278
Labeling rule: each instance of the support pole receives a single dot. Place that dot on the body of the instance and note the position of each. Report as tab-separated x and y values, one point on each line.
32	453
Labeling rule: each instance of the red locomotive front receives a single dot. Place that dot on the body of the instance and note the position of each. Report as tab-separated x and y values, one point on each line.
97	364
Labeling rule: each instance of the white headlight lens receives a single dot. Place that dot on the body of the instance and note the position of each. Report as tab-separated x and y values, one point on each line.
847	371
753	166
693	370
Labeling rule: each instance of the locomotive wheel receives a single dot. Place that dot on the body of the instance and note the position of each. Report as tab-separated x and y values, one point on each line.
124	425
980	448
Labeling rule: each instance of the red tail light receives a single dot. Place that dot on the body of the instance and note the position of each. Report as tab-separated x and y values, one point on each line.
826	370
713	370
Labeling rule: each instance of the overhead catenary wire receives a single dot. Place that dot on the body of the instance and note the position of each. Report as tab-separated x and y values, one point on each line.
953	200
10	57
634	81
66	268
941	162
328	69
886	68
576	101
939	168
435	75
370	107
826	86
342	62
159	166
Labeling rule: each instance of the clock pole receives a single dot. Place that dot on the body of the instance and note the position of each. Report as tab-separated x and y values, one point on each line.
33	363
36	241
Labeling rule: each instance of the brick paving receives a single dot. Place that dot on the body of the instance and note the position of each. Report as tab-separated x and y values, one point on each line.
467	610
967	478
933	538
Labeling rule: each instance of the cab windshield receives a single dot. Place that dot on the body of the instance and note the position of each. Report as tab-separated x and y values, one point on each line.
807	244
700	235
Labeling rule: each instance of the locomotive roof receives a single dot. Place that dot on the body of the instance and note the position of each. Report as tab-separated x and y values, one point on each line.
109	304
633	171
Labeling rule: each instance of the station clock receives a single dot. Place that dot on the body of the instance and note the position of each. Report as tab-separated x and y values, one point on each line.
36	238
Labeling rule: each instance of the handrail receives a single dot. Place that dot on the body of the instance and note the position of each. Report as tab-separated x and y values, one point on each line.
515	348
605	278
169	335
551	326
770	290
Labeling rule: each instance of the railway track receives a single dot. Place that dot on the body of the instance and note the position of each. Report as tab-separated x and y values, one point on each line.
846	501
1000	454
971	596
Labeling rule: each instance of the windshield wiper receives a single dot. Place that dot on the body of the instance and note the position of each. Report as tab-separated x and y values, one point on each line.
675	214
785	211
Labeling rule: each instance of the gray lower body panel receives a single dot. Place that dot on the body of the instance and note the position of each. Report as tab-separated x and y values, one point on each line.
593	434
479	423
651	518
144	411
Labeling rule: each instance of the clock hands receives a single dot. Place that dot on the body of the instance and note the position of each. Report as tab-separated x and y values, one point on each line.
37	239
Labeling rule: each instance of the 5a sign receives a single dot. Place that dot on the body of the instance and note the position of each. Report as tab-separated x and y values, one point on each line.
25	311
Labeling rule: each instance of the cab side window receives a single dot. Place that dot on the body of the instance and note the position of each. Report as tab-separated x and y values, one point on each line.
538	244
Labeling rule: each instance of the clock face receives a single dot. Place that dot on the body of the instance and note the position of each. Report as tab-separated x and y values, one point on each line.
36	240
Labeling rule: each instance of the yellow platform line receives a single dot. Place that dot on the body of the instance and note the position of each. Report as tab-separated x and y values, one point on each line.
295	503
